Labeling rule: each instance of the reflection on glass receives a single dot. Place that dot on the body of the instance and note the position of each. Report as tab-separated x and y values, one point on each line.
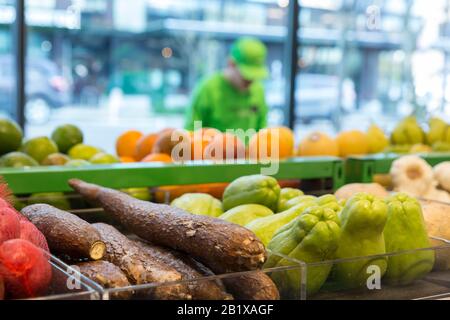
373	61
7	65
135	66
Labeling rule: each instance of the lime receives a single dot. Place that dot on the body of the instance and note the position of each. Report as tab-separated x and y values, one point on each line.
55	159
104	158
39	148
55	199
10	136
83	151
77	163
17	160
67	136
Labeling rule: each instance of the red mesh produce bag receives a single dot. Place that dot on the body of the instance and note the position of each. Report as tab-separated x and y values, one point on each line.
29	232
2	289
25	269
9	224
5	194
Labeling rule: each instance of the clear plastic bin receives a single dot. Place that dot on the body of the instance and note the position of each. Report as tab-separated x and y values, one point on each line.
229	280
68	284
372	285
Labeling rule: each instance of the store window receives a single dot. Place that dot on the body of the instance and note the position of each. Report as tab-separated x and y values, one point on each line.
363	61
112	67
7	63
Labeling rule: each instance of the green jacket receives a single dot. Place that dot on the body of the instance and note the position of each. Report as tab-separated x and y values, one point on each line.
219	105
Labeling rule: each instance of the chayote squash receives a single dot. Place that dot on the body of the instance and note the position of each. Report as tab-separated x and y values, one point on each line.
295	201
265	228
405	230
287	194
311	237
199	203
254	189
246	213
362	222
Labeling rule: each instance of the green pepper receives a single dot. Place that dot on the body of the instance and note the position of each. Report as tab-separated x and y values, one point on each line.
311	237
405	230
362	222
287	194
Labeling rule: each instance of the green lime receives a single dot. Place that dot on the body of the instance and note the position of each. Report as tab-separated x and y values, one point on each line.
39	148
77	163
83	151
55	199
104	158
10	136
55	159
67	136
17	160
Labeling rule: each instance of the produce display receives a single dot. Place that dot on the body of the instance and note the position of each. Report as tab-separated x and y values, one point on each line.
245	231
64	145
225	247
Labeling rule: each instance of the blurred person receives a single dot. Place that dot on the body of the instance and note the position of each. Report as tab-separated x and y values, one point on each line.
234	97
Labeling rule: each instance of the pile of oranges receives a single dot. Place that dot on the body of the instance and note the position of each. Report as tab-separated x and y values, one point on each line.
211	144
204	144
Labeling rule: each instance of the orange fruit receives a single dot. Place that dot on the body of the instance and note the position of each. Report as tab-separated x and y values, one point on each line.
318	144
225	146
127	159
168	139
126	143
353	142
145	145
200	140
157	157
260	145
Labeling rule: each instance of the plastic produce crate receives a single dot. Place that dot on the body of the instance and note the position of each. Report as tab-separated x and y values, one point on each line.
68	284
433	285
54	179
364	168
293	271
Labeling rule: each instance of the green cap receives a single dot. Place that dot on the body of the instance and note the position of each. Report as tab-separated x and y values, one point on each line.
249	54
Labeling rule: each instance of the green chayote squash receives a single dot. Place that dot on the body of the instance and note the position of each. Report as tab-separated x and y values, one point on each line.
246	213
265	228
311	237
362	222
199	203
295	201
254	189
287	194
405	230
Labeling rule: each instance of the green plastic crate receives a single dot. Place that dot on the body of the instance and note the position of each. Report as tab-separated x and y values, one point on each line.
364	168
54	179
